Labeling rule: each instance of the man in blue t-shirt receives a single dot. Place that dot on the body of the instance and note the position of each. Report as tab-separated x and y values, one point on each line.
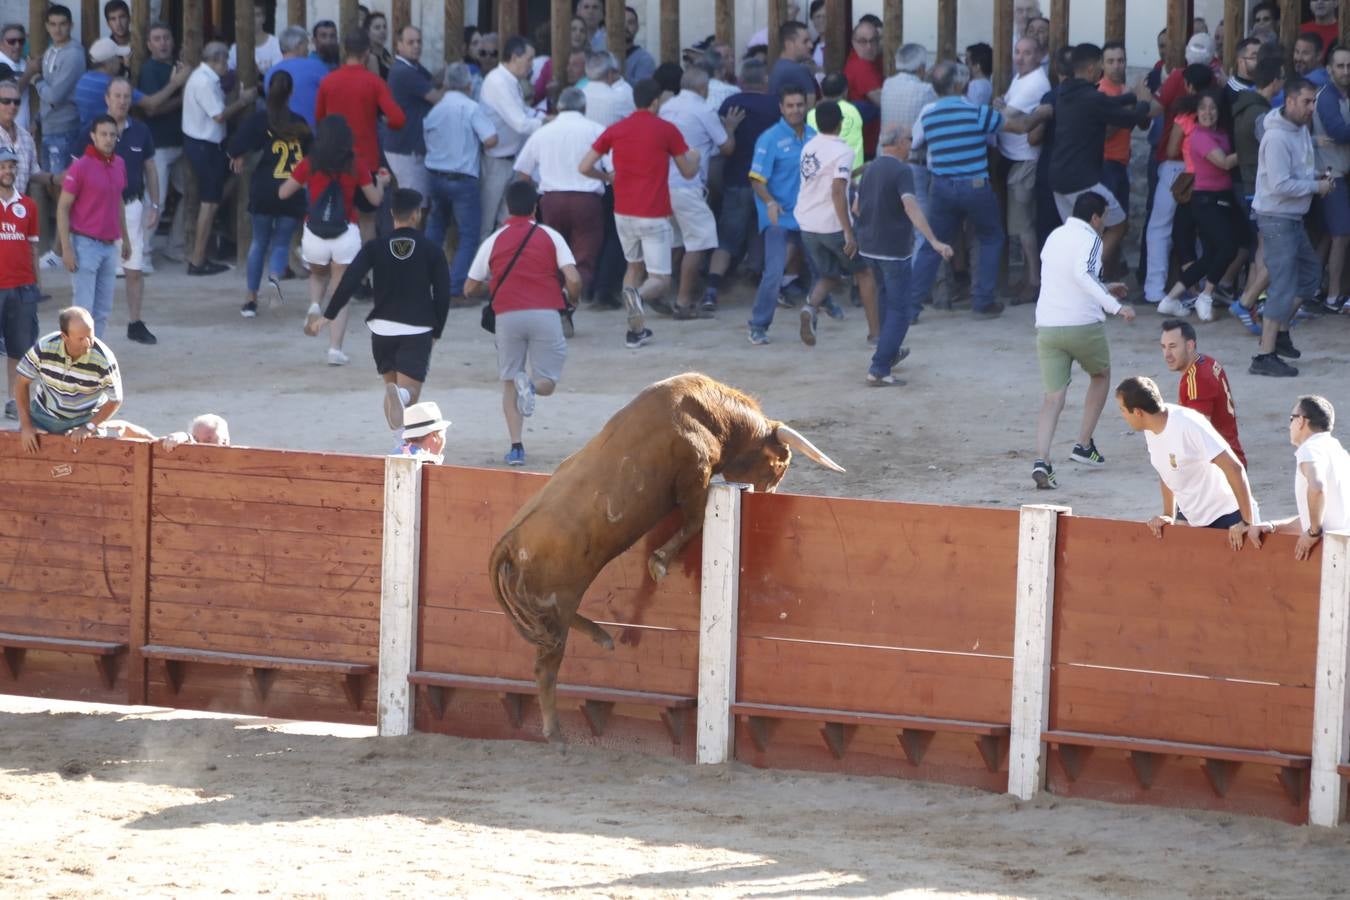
790	69
306	72
105	63
775	176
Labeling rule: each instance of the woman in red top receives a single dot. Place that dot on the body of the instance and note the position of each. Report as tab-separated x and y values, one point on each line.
1209	156
331	238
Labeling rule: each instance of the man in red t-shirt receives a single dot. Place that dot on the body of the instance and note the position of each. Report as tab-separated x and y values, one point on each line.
865	77
1323	22
18	272
357	94
1204	384
642	145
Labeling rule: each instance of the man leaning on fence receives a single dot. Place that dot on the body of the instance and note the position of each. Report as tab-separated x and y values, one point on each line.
1321	476
68	382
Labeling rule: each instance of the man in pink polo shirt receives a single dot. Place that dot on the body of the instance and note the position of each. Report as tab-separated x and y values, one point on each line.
91	220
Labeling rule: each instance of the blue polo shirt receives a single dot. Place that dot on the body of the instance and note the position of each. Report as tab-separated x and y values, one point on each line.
136	146
777	163
306	73
90	98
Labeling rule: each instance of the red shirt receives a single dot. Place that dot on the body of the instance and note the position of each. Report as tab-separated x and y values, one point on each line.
18	236
358	95
643	145
863	78
533	281
1172	90
1330	34
317	183
1204	388
1118	144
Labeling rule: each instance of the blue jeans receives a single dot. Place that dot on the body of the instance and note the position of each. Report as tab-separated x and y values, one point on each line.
776	239
458	197
274	232
736	222
952	201
923	184
1295	269
94	279
893	281
52	424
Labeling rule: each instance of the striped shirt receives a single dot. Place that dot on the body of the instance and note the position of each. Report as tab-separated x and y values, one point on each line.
955	132
71	388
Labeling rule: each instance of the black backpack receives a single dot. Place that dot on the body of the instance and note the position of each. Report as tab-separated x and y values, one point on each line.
327	214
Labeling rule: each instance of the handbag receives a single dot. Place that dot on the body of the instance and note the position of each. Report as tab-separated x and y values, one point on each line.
488	320
1182	187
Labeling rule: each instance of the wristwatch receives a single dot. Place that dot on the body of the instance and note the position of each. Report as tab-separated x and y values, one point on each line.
1314	534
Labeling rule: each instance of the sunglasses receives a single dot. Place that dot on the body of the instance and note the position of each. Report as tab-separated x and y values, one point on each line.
9	101
1293	416
482	53
14	42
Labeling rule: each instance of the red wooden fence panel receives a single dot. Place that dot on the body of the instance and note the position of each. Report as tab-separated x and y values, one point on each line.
1182	640
876	607
462	630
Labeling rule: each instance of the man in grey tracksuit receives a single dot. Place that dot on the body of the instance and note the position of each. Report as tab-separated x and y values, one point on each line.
1286	181
62	66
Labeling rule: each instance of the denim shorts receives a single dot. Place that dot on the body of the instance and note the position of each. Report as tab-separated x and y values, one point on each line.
210	165
825	252
53	425
1295	269
19	319
1336	209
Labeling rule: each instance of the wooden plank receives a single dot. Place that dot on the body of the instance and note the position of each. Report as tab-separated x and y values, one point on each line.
362	602
815	714
36	578
280	519
108	475
718	624
249	545
893	31
71	609
268	489
946	28
274	463
63	645
337	578
571	691
1331	699
1176	748
267	644
1036	602
453	13
108	627
251	660
616	38
36	549
245	626
55	500
399	591
92	530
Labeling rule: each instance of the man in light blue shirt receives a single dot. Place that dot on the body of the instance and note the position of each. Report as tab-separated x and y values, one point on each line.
306	72
456	129
775	176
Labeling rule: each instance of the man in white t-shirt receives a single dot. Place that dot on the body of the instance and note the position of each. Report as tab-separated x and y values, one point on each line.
1024	95
1201	479
822	215
1321	476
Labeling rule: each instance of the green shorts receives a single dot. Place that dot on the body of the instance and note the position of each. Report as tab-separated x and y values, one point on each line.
1058	347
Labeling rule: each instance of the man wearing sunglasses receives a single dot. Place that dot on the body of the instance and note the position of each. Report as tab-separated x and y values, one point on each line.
12	39
15	138
1321	476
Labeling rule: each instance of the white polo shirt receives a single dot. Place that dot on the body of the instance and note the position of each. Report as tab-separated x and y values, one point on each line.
608	103
1183	456
556	151
1331	466
203	100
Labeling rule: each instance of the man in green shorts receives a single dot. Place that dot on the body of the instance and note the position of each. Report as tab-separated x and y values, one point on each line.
1070	327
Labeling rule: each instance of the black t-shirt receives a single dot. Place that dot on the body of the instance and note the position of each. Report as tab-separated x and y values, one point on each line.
279	158
761	113
883	226
166	128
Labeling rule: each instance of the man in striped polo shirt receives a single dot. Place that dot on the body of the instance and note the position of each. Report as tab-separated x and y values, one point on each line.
955	132
68	383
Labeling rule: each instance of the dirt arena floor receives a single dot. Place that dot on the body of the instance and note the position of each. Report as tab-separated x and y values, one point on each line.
105	802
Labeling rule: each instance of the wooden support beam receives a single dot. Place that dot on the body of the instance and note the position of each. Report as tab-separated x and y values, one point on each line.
1059	25
296	13
946	39
893	31
400	16
192	34
1003	46
400	547
349	17
1345	27
719	600
138	689
454	31
616	39
140	24
838	35
1234	30
1115	20
1331	690
724	22
1291	19
777	16
245	41
1178	32
91	22
508	22
670	31
560	21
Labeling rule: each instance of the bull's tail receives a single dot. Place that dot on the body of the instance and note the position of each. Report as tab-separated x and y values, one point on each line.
535	618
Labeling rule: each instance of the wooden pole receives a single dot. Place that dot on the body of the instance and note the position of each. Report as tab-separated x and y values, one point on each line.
508	22
296	13
349	17
777	16
1234	28
724	15
400	17
247	67
892	31
616	39
89	22
1115	19
1291	19
719	601
1059	25
399	593
946	48
1178	32
560	19
670	31
1345	27
140	24
1003	49
192	32
837	37
454	31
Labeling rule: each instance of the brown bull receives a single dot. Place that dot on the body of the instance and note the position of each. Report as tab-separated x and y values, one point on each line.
657	453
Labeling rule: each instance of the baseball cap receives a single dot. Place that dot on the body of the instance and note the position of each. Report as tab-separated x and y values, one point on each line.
8	155
1200	49
105	49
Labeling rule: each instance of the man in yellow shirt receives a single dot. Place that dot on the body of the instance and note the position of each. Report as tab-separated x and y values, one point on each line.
834	87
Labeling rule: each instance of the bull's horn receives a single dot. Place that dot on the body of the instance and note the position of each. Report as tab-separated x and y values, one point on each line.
789	437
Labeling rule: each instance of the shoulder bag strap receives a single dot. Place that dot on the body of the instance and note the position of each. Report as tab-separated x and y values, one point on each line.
512	264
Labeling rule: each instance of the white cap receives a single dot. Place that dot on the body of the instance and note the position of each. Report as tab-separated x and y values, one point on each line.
105	49
1200	49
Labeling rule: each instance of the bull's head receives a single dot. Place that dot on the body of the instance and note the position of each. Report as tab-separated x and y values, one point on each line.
766	462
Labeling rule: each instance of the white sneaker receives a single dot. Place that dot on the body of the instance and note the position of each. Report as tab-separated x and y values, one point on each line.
1170	306
50	260
336	357
1204	307
395	399
313	316
147	267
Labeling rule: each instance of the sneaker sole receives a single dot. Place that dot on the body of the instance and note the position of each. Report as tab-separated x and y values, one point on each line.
247	314
277	299
1043	481
637	317
808	330
1092	463
524	399
393	406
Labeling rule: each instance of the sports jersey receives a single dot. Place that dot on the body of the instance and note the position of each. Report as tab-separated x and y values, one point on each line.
1204	388
18	232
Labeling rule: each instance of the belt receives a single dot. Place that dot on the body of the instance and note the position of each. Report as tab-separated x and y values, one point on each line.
453	176
90	237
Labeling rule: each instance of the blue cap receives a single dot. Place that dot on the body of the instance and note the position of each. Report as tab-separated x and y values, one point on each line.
8	155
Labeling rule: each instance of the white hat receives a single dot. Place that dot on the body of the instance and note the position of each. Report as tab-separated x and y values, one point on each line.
1200	49
105	49
422	419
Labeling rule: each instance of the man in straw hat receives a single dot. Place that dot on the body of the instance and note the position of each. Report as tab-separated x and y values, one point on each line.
423	432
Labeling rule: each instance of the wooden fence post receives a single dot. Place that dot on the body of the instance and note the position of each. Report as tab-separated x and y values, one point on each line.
838	35
946	23
1291	19
295	14
777	16
616	35
718	601
724	24
1234	30
90	19
1031	648
454	31
399	568
1003	46
1059	26
140	24
1331	697
246	66
138	689
1115	20
670	31
1178	32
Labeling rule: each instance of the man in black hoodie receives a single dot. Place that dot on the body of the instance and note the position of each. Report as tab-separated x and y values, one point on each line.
1082	115
412	300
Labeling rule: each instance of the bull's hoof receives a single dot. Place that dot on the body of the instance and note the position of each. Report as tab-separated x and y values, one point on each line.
657	566
604	640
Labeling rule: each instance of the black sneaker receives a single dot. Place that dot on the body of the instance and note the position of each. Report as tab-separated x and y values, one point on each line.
1088	456
207	268
136	331
1044	475
1335	304
660	305
249	310
707	307
1284	346
1271	364
685	313
992	311
635	339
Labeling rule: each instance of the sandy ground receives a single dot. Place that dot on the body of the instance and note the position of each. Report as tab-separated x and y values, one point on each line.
150	803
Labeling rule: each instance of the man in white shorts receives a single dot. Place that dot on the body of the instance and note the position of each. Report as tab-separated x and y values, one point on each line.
521	262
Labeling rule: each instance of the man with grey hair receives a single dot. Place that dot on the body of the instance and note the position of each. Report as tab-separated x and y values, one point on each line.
608	97
456	130
306	72
903	97
571	203
415	92
718	90
208	430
